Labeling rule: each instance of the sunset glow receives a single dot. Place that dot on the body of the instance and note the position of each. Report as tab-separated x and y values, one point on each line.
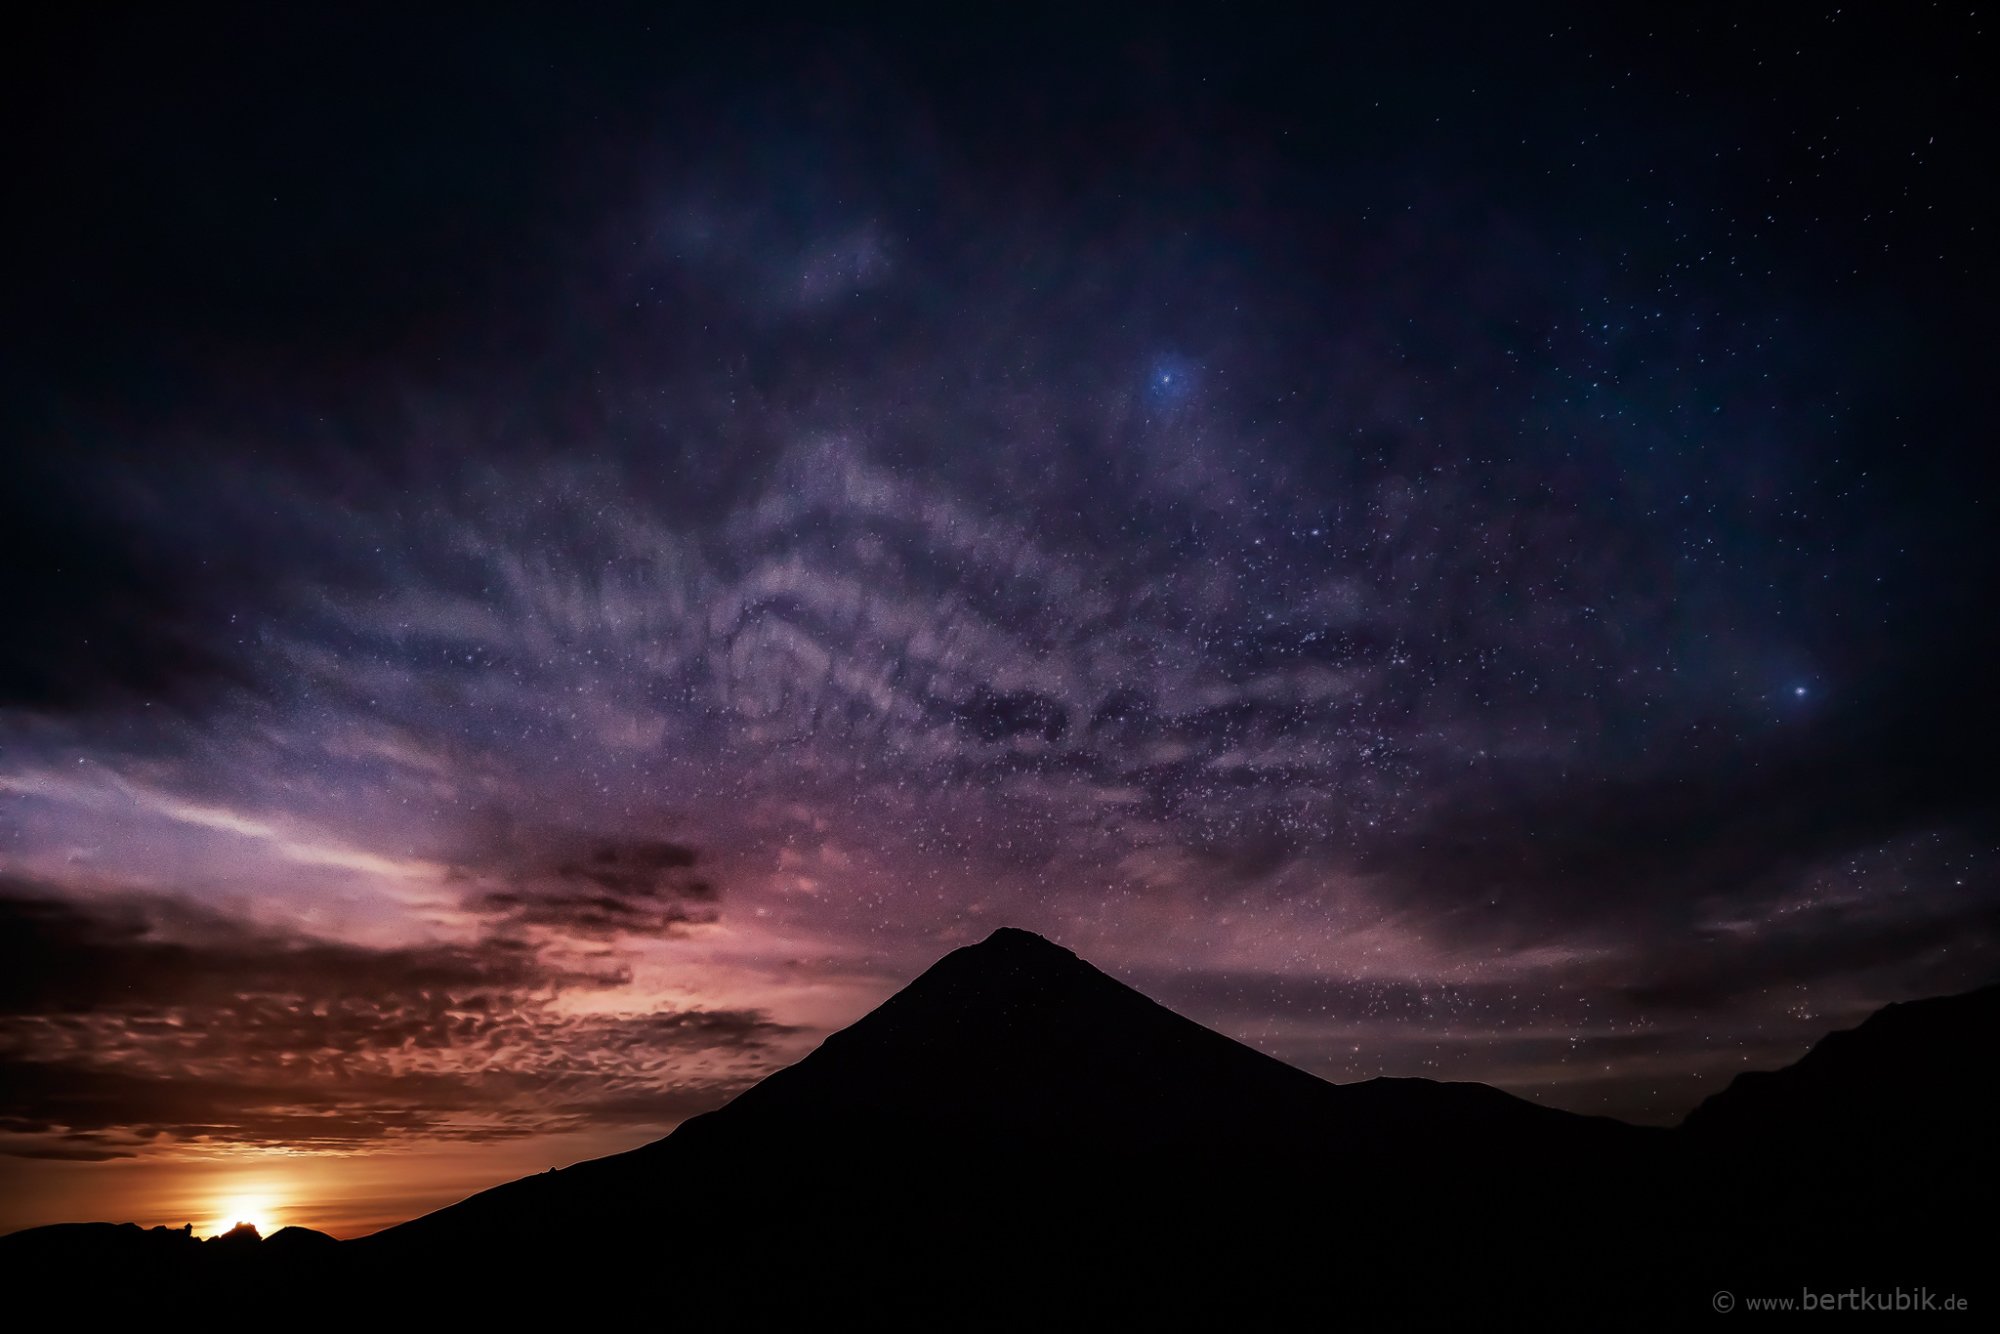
261	1210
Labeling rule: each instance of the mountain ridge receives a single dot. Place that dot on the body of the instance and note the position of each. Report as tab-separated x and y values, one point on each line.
1899	1072
1017	1123
1031	1055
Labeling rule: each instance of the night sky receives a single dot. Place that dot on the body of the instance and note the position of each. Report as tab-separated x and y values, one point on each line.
549	560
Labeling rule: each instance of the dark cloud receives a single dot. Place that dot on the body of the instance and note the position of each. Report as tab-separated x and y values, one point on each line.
1714	815
63	956
1943	950
47	1104
597	887
81	1146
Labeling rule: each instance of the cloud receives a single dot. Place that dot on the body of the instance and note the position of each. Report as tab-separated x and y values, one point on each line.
132	1021
1719	970
595	887
62	955
835	473
77	1146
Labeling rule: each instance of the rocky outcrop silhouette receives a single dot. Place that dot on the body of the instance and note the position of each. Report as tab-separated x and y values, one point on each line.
243	1234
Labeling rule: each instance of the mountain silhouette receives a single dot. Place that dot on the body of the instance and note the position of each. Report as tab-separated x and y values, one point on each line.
1925	1069
1013	1063
1018	1135
1017	1123
1905	1101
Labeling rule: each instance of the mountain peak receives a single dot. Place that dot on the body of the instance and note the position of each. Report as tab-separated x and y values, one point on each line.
1008	962
1012	973
1014	937
1012	942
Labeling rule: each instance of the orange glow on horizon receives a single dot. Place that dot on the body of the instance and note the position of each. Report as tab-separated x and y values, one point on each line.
344	1195
262	1208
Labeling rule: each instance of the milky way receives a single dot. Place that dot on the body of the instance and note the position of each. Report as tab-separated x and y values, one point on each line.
534	601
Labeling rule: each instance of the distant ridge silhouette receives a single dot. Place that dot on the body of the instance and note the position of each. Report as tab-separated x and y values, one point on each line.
1901	1106
1922	1069
1018	1125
